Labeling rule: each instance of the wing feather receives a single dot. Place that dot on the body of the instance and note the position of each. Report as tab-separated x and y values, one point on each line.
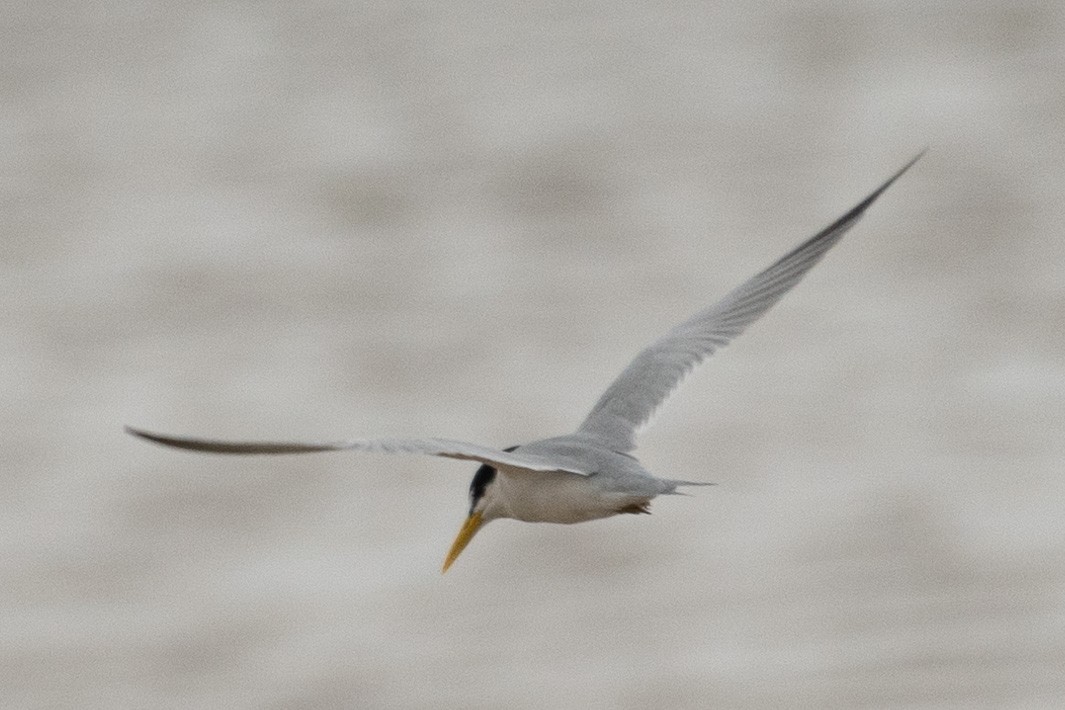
631	400
447	448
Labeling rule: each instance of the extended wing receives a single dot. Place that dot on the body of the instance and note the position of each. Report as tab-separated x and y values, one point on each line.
427	447
630	401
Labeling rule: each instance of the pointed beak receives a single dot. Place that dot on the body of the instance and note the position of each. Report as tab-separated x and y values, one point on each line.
469	529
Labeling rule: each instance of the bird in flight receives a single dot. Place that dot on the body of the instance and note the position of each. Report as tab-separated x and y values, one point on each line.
591	473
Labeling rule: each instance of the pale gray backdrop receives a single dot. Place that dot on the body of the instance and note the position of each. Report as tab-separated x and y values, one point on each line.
324	220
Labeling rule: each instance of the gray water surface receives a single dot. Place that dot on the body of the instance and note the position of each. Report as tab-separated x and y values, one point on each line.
332	220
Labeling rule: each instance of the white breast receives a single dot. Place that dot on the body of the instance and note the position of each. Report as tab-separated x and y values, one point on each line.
557	497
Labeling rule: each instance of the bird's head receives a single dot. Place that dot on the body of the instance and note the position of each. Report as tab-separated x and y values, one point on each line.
483	508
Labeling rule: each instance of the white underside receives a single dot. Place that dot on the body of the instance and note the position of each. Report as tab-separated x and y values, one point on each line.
556	498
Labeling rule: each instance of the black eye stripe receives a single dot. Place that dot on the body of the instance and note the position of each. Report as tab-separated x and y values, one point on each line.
484	476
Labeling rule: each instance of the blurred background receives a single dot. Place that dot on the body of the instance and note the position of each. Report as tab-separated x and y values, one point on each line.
328	220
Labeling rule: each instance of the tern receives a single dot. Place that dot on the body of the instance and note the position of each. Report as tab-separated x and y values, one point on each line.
591	473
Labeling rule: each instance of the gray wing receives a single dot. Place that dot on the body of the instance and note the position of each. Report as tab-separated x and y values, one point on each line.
427	447
631	400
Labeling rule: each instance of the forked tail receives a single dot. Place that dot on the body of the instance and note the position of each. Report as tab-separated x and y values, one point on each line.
675	484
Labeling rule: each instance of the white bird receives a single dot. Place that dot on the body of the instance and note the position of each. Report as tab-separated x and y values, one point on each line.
590	473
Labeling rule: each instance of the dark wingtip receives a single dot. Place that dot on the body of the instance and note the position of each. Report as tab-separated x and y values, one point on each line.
855	213
135	432
864	204
908	165
147	435
211	446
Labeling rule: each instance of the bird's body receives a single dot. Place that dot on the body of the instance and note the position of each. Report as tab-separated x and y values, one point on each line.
617	484
560	497
590	473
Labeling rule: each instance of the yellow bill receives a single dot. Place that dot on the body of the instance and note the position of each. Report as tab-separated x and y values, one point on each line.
469	529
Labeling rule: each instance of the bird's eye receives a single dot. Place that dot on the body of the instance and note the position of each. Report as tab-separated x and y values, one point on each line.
484	476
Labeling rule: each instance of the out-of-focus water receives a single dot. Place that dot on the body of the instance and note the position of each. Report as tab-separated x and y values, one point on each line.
329	220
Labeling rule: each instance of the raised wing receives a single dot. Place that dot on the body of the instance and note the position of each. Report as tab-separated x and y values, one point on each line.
630	401
427	447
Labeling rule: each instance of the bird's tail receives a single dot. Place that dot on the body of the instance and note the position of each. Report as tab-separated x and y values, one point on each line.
674	484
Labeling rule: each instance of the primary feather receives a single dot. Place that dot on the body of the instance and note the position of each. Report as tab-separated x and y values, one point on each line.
631	400
627	404
447	448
